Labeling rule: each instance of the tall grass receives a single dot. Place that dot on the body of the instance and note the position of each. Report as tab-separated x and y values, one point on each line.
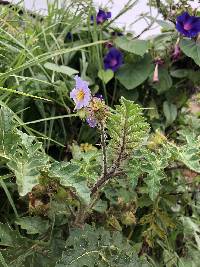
28	42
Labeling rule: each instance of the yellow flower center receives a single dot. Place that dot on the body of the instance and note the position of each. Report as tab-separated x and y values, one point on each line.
80	95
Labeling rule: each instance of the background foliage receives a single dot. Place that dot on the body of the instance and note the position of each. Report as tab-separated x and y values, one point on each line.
54	211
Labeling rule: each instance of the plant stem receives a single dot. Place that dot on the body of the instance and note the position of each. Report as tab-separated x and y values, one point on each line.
114	169
103	180
103	145
114	92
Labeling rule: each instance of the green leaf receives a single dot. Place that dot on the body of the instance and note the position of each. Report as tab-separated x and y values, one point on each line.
154	165
25	155
105	75
8	137
101	206
170	112
63	169
166	220
189	153
18	249
190	226
127	128
8	236
90	247
162	41
61	69
26	163
151	165
138	47
132	75
2	260
69	176
194	76
33	225
165	81
153	183
113	222
191	48
80	185
166	25
153	111
179	73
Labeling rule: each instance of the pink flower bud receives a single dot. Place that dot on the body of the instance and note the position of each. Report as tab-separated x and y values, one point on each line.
155	74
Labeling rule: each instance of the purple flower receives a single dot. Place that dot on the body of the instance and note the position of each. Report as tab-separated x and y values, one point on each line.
81	93
187	25
113	59
176	53
99	96
109	44
69	36
91	121
101	16
158	61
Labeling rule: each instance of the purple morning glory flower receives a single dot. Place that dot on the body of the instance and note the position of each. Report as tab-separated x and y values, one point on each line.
102	16
81	93
187	25
113	59
91	121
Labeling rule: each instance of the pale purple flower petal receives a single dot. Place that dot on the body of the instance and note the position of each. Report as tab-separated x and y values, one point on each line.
81	93
91	121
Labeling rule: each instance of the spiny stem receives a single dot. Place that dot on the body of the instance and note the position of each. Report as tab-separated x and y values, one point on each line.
103	145
103	180
114	169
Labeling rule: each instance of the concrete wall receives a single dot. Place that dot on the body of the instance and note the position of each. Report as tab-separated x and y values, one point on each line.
124	21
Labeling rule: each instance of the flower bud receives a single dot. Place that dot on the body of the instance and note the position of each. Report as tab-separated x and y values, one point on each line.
155	74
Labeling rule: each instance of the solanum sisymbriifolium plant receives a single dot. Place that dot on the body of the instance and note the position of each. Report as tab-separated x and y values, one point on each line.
125	127
99	138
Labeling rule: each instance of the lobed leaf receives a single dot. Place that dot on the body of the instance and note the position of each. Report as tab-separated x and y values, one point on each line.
27	162
97	247
127	129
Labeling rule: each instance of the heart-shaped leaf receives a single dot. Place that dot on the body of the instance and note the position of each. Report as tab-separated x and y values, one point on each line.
138	47
133	74
191	49
105	75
